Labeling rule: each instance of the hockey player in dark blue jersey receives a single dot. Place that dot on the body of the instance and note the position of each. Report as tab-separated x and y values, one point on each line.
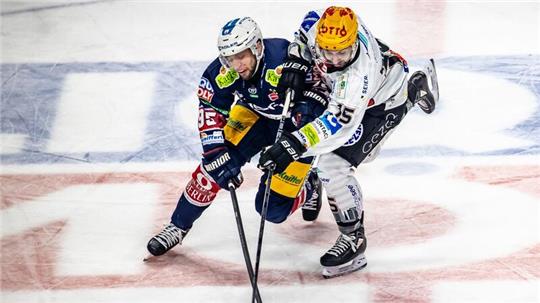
239	112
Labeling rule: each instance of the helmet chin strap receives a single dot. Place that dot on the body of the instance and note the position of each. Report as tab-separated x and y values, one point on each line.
258	57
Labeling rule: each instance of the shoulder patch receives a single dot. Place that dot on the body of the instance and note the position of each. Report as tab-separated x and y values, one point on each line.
272	76
226	77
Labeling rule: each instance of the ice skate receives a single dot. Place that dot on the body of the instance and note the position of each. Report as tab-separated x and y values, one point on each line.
346	256
424	87
312	205
169	237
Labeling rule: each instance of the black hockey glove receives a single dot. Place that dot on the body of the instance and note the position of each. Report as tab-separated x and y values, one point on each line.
287	150
310	107
293	76
219	165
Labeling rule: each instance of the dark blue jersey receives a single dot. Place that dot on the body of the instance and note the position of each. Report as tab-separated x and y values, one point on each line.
219	86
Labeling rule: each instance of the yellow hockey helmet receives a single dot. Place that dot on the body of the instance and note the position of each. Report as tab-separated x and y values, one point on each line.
337	29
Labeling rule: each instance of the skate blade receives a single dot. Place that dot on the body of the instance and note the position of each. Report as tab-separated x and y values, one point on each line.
432	73
335	271
148	258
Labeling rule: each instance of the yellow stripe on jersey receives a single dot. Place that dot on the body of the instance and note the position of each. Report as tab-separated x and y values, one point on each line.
241	119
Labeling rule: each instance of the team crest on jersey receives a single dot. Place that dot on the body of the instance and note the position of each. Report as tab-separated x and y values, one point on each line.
226	77
272	76
341	86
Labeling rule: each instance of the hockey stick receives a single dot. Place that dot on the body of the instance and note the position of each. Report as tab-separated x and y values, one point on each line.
267	188
256	295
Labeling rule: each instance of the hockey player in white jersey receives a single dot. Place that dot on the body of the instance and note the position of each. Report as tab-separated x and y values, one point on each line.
371	93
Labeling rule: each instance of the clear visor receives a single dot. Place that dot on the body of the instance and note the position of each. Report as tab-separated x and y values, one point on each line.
337	58
228	60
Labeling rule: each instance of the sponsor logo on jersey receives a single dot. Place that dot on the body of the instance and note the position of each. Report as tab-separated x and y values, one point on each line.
201	191
273	95
253	92
341	86
310	133
226	77
303	138
330	122
236	125
321	128
290	178
355	193
355	137
391	121
365	87
205	90
272	76
213	138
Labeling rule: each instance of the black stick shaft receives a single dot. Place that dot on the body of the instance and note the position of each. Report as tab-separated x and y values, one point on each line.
267	191
256	295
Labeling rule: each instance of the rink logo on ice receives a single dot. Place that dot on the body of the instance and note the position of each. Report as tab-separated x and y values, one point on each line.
41	133
68	266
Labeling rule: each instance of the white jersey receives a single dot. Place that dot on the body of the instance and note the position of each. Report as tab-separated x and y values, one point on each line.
363	84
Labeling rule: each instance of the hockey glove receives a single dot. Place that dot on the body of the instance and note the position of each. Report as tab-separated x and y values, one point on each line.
287	150
221	167
293	76
312	105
